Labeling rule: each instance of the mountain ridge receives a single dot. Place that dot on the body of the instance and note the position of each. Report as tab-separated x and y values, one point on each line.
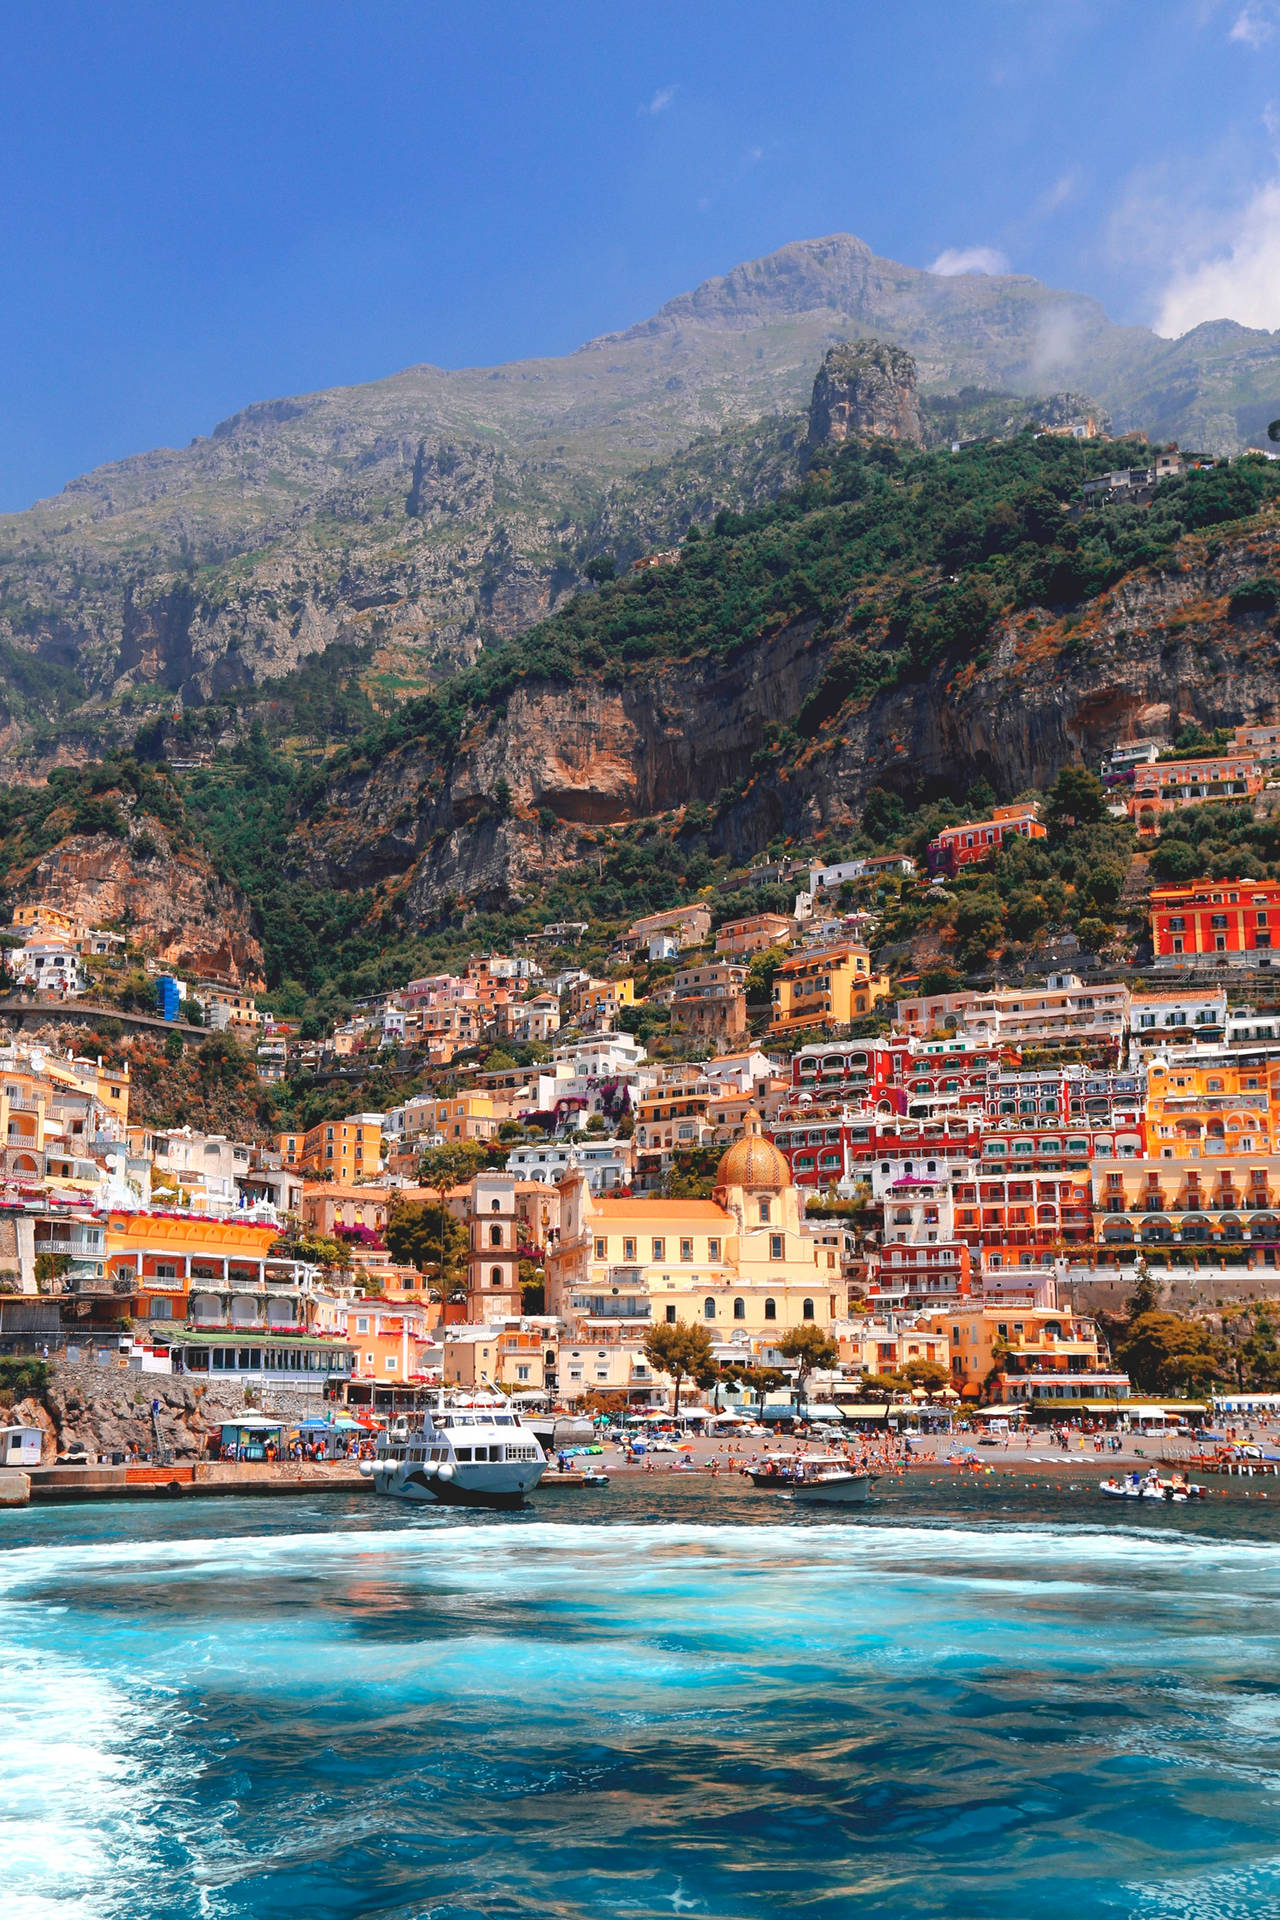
176	579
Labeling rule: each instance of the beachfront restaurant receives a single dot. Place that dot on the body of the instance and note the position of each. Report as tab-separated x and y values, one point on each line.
304	1363
249	1437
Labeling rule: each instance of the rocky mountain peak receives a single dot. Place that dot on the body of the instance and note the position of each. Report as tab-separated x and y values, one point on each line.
865	390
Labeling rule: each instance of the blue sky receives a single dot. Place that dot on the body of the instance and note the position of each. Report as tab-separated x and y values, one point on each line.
208	204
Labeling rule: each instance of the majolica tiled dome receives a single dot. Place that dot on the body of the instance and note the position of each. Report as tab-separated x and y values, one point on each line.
754	1161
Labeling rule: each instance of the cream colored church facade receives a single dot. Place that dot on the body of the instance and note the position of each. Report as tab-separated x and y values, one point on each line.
737	1263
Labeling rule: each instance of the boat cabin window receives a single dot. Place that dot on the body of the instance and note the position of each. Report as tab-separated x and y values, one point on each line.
462	1453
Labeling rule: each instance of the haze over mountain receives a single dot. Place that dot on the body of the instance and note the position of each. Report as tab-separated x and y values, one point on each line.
413	520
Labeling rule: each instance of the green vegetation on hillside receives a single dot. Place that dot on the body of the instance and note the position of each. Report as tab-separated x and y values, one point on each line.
898	558
1220	843
87	800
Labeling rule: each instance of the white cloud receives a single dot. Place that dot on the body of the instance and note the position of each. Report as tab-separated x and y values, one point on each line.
953	260
661	100
1064	188
1253	25
1240	280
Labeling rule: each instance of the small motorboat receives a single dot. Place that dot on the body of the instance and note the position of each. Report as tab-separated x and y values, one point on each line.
1150	1486
815	1478
834	1488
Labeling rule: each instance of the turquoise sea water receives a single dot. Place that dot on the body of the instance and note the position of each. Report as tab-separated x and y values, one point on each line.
968	1703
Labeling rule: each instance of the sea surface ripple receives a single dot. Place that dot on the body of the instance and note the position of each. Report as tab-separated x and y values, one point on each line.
971	1706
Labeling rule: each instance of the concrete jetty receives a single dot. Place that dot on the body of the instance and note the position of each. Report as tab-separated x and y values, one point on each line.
199	1479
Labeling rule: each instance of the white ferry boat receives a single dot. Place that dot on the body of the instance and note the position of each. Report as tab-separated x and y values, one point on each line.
466	1453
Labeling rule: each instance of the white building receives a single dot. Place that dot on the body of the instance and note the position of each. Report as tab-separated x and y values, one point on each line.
48	967
606	1163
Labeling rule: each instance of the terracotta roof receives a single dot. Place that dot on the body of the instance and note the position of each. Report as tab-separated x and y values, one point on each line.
656	1210
1175	993
332	1191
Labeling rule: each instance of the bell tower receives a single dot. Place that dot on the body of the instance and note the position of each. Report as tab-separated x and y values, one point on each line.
493	1261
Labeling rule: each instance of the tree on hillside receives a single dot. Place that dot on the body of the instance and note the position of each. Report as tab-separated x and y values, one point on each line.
681	1348
1255	1350
1163	1353
761	972
439	1169
1145	1297
1077	798
809	1347
429	1238
317	1249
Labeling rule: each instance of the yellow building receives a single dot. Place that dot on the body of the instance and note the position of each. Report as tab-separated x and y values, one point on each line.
600	1001
466	1116
738	1263
1231	1205
47	1118
227	1006
825	987
109	1086
346	1150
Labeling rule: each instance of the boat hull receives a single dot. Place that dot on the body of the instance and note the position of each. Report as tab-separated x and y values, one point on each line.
837	1490
499	1485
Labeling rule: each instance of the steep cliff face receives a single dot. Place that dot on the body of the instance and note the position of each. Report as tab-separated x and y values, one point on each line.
1159	650
572	759
165	896
865	390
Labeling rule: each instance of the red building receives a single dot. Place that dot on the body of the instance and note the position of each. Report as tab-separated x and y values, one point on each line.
973	840
1229	922
824	1145
909	1076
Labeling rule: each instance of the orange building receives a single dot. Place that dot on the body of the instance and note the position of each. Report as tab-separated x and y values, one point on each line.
160	1265
756	934
346	1150
391	1338
1231	922
328	1206
1166	785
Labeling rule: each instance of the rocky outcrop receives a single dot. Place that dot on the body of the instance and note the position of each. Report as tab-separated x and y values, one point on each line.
1160	650
865	390
164	896
106	1413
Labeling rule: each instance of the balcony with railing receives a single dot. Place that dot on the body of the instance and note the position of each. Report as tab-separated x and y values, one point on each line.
608	1306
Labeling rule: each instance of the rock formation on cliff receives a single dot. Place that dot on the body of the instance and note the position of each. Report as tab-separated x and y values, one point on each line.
122	856
865	390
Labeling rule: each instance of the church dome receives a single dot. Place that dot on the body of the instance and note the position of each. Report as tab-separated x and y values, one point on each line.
754	1161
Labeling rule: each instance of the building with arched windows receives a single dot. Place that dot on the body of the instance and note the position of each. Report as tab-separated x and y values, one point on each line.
738	1263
